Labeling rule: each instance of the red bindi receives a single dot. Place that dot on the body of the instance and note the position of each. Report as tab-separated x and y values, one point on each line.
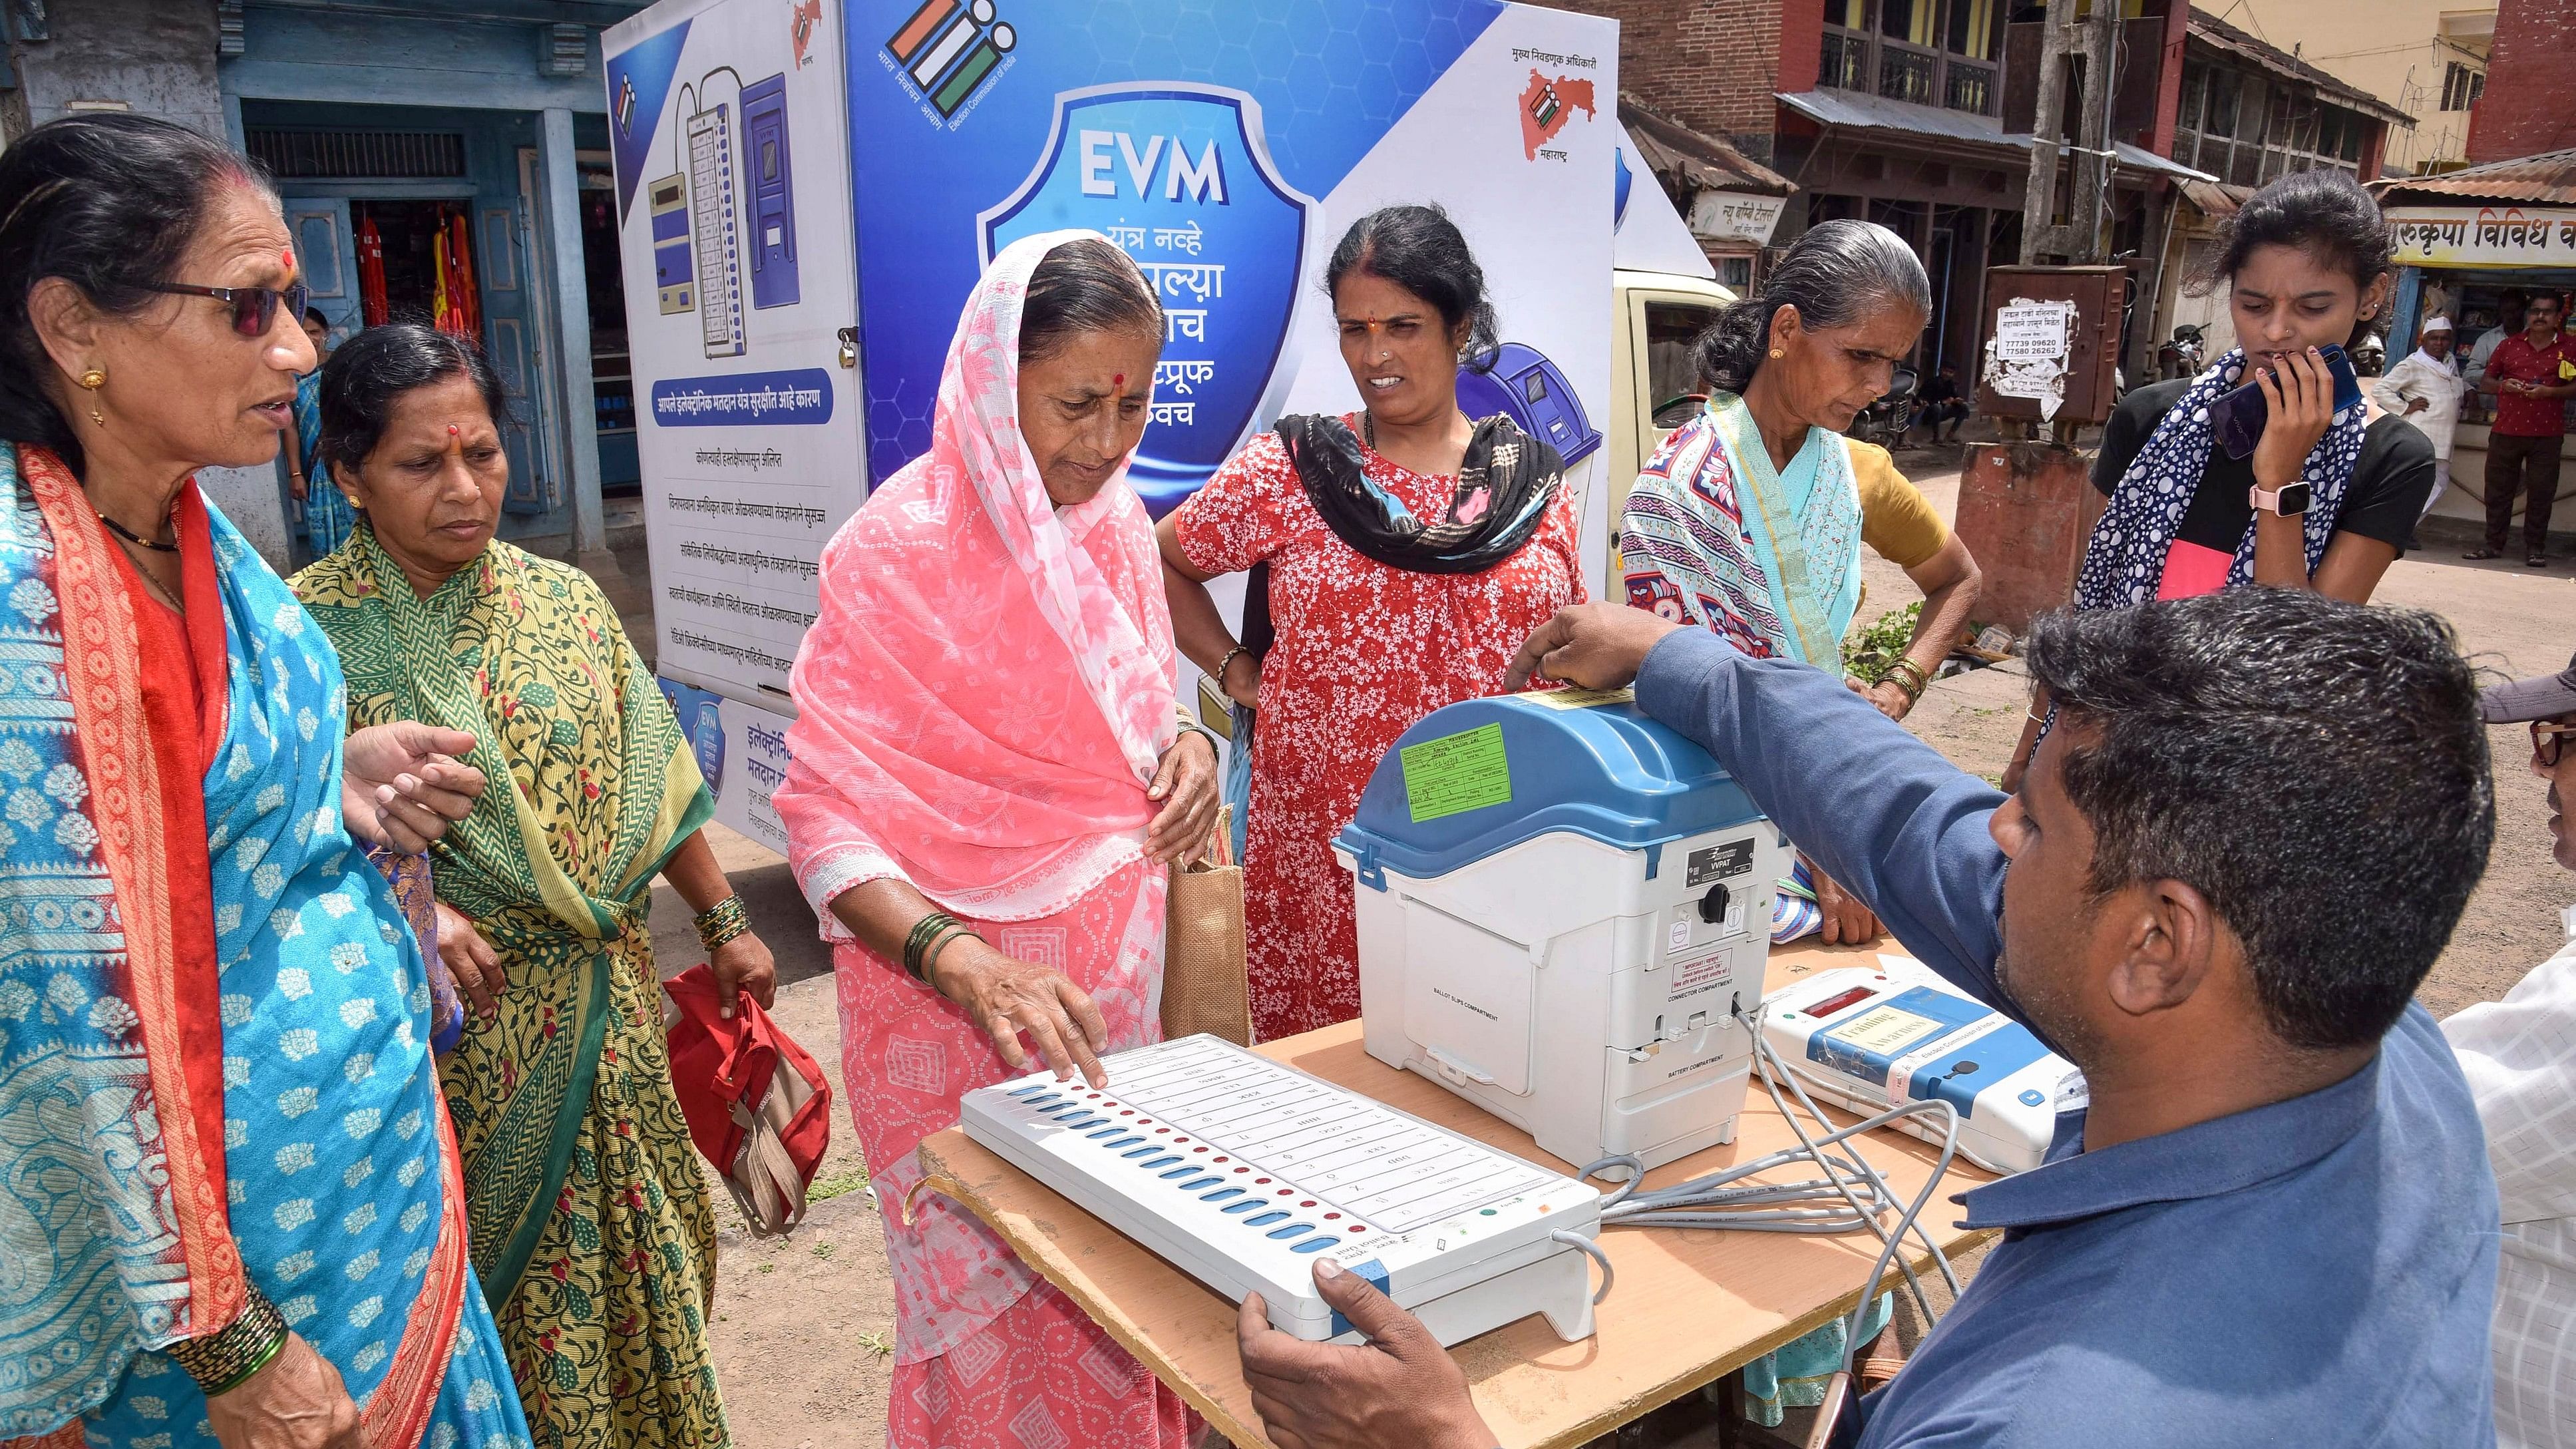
1117	379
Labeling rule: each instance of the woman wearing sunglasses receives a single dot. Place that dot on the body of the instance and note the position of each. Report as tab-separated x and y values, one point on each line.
229	1202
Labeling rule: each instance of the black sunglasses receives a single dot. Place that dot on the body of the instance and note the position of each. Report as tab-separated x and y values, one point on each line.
254	308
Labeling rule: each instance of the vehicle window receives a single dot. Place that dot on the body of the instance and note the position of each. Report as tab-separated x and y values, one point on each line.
1671	327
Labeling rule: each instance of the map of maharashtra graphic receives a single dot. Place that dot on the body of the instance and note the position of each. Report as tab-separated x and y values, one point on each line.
1547	105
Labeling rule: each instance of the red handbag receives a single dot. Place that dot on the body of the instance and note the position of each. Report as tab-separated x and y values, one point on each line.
756	1102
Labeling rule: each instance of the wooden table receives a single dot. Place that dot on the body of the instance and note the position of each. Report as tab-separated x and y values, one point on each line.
1689	1306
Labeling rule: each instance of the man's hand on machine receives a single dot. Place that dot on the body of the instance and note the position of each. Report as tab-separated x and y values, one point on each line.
1401	1387
1597	646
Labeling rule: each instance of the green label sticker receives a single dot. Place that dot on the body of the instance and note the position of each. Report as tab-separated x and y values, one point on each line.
1456	773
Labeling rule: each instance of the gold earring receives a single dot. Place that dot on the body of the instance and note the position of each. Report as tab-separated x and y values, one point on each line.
1776	352
94	379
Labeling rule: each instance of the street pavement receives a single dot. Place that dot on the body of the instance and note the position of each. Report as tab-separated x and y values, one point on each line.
803	1325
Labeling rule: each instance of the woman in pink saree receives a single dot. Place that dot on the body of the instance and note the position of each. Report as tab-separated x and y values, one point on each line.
989	778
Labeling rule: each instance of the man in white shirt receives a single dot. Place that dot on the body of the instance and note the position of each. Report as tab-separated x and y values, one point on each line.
2425	389
2520	1057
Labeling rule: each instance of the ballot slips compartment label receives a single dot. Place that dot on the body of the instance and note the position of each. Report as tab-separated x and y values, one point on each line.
1868	1043
1467	1000
1456	773
1719	862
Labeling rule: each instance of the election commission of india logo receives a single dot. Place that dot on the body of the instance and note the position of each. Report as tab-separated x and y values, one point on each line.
950	51
1546	104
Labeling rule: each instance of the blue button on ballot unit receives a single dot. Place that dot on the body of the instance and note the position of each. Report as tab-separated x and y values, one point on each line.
1561	906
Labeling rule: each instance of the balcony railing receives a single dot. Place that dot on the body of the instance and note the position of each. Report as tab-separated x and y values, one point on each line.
1905	75
1845	57
1967	86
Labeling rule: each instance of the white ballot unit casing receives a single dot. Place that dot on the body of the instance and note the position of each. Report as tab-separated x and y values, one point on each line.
1867	1038
1562	905
1242	1172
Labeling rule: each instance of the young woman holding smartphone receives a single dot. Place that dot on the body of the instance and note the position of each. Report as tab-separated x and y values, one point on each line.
2329	496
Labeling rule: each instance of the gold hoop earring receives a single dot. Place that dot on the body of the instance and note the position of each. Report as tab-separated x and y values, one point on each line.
93	380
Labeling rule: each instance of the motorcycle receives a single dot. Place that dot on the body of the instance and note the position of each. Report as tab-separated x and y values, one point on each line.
1886	421
2181	357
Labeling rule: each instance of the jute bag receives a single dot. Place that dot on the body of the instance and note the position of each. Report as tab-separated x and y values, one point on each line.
1203	968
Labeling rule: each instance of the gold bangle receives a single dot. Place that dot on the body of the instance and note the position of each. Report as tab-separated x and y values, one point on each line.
225	1359
722	922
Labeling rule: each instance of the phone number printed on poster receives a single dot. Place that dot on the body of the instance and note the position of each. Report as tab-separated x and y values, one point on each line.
1179	178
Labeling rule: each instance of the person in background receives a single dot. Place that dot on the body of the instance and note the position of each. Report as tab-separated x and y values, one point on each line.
2531	376
1408	547
2520	1058
2328	499
1942	404
2272	1221
2424	388
230	1207
1749	519
590	1219
987	787
327	514
2493	329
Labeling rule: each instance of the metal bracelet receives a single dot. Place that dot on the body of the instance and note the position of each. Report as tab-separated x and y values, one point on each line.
723	922
1227	663
225	1359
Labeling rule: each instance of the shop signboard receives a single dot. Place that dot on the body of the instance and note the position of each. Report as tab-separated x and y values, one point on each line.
2484	236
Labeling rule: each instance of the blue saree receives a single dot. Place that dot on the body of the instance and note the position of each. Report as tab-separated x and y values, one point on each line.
338	1197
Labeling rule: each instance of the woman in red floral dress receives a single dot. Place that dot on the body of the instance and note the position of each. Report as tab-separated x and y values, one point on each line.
1376	618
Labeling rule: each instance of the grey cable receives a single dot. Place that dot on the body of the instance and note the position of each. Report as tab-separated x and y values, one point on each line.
1592	1250
1851	1195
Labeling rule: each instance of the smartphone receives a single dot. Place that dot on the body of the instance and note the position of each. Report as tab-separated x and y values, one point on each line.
2238	418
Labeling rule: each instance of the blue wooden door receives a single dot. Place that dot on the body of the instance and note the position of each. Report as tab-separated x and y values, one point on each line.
508	248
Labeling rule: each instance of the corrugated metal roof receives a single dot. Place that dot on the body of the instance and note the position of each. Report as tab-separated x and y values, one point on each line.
1670	148
2216	198
1860	111
2549	176
2224	36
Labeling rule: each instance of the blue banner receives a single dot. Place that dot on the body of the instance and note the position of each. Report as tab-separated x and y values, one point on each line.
971	116
797	395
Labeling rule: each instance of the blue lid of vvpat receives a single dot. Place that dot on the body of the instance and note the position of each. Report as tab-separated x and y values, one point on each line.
1483	775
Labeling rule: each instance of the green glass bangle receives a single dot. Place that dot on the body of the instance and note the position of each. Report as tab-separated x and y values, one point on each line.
923	933
225	1359
930	957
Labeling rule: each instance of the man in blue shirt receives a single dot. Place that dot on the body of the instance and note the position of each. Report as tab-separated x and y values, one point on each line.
2250	833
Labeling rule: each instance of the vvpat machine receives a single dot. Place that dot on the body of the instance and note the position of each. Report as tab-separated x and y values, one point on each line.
1562	905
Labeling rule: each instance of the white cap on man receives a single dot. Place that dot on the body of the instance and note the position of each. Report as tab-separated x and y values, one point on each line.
2437	324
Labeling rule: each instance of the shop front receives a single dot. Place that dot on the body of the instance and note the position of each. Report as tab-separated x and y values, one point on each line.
2471	246
456	171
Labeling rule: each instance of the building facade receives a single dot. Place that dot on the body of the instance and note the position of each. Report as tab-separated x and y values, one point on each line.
428	154
2530	110
2428	61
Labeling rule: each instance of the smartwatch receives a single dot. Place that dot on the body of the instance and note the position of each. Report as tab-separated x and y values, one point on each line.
2290	501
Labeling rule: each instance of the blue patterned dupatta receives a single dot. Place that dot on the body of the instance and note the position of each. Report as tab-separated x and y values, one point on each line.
1713	535
2124	560
339	1192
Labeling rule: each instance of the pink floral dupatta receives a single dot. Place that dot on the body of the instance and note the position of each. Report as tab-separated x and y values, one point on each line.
990	684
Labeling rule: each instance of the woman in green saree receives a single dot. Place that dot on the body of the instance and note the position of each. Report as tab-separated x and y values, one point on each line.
587	1212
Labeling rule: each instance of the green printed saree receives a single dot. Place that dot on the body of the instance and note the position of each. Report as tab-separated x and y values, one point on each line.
588	1215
